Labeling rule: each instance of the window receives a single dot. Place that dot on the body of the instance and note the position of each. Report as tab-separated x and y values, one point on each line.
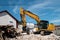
11	21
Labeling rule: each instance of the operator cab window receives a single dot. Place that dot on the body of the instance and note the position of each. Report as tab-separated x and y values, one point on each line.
43	24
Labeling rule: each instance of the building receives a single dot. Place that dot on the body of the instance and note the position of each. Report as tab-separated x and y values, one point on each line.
7	19
57	30
57	26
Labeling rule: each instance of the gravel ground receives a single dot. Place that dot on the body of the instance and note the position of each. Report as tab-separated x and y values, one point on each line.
36	37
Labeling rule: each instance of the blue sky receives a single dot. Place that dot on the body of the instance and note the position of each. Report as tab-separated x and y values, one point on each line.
45	9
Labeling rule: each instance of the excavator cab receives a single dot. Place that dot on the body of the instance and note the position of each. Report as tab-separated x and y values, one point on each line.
42	28
43	24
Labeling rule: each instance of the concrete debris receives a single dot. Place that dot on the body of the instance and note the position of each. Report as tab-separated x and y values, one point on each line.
36	37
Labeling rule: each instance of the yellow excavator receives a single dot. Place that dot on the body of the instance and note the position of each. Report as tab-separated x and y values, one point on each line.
43	26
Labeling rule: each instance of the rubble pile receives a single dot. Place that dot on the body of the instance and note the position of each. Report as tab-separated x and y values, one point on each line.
38	37
35	37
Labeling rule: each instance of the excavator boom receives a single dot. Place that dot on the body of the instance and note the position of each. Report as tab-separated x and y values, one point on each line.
30	14
23	19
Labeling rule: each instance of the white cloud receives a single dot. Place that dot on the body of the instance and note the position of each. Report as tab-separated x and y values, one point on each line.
15	9
55	21
39	5
57	10
43	5
43	14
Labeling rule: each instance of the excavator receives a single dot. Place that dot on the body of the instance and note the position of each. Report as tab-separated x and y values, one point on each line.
43	26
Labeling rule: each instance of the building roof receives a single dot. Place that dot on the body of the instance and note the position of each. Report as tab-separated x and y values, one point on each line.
10	15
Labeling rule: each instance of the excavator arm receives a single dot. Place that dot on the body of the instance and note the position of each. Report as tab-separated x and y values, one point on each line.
30	14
